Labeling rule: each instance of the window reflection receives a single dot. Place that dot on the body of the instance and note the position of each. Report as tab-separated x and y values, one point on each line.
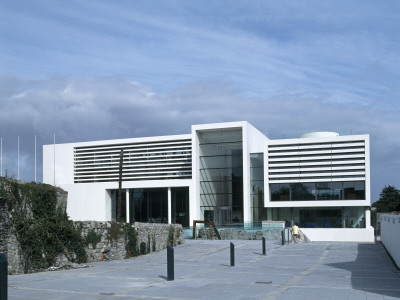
257	186
309	191
321	217
221	175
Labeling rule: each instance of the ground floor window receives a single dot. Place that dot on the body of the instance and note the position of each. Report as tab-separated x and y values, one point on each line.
320	217
223	215
257	186
180	206
151	205
317	191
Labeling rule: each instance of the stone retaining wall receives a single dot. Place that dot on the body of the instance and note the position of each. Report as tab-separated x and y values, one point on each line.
105	249
148	233
110	245
8	241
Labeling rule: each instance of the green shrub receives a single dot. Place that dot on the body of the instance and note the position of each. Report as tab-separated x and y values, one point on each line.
43	230
142	248
154	242
115	232
93	238
130	241
148	243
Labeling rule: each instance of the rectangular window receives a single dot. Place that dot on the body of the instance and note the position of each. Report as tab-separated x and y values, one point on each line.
310	191
321	217
257	186
180	206
221	175
145	205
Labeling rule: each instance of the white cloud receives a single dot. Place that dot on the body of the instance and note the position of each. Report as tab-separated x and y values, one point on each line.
108	108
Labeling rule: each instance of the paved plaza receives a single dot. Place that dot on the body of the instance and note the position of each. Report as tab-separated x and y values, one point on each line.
318	271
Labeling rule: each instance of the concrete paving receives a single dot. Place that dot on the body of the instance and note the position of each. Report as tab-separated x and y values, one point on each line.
202	271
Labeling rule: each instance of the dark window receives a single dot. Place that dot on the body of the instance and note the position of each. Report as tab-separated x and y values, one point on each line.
180	206
309	191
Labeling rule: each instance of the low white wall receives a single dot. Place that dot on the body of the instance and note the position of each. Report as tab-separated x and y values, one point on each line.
390	235
340	234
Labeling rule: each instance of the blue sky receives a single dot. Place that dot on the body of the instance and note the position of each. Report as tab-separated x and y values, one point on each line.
91	70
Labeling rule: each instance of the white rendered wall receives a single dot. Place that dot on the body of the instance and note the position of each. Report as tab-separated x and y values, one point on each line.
64	156
367	172
246	174
390	235
330	203
253	142
365	235
63	167
194	205
90	201
194	196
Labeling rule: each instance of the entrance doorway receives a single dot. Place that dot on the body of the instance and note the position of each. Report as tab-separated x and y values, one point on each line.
223	215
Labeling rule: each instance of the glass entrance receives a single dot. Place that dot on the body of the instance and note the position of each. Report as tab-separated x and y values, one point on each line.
221	175
223	215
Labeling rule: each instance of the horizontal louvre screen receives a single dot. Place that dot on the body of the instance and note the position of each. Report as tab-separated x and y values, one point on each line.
344	160
141	161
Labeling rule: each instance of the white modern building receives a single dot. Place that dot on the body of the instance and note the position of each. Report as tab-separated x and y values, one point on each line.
225	172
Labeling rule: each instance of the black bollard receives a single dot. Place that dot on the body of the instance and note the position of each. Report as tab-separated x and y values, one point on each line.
26	257
170	263
283	237
3	277
263	246
232	255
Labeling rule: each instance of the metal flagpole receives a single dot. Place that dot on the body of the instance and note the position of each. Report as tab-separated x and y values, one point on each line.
1	156
54	159
18	159
35	157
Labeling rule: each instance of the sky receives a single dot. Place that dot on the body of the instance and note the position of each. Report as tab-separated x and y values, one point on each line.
94	70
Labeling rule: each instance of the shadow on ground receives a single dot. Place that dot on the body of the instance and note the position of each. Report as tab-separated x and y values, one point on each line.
373	271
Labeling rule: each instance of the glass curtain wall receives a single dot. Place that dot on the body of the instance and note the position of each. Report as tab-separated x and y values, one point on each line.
309	191
151	205
145	205
180	206
322	217
115	205
257	186
221	175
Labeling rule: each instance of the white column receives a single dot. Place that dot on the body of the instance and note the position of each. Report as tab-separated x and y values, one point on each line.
127	206
194	188
169	206
367	218
247	215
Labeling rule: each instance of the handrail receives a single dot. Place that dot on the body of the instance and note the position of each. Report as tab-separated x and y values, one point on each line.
212	226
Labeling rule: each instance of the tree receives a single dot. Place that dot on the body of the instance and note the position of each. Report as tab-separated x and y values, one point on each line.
389	200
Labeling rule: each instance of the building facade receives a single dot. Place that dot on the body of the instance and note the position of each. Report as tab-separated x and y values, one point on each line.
230	173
